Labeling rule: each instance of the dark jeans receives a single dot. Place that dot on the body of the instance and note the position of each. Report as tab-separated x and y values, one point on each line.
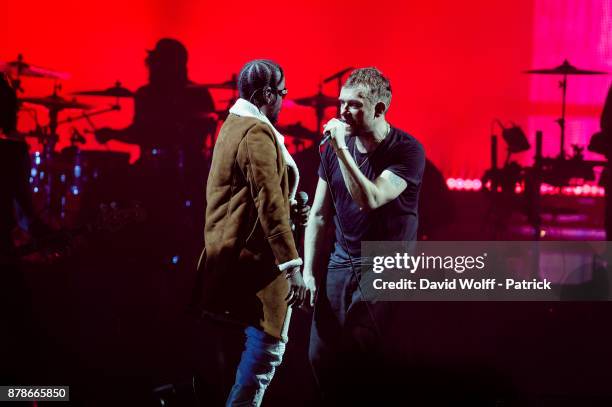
346	350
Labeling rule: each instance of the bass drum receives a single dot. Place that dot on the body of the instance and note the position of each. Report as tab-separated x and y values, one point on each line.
85	179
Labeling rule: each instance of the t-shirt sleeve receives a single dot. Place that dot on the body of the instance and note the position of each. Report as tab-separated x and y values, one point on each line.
407	160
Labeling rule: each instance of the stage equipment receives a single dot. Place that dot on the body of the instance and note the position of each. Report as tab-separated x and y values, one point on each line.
319	102
298	131
515	138
20	68
60	244
117	91
299	135
338	77
231	84
55	102
564	69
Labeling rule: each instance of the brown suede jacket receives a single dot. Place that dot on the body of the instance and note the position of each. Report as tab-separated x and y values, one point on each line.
247	232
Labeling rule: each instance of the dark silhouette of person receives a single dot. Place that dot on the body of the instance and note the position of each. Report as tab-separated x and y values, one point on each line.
170	111
172	119
171	122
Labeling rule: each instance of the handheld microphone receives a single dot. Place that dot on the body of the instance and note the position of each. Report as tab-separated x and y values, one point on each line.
326	137
302	200
327	133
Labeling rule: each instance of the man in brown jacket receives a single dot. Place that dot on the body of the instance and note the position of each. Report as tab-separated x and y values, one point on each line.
249	270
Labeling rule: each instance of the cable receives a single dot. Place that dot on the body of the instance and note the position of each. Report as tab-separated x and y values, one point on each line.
331	192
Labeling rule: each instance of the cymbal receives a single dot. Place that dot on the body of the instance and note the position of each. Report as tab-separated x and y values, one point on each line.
299	131
565	69
56	102
318	100
116	91
22	68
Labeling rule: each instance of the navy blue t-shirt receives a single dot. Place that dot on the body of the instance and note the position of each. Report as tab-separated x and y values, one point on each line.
397	220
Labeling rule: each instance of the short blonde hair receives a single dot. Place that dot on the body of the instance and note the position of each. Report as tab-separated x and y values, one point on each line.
378	88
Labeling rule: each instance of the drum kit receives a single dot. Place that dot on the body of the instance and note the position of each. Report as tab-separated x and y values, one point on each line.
565	69
556	171
60	179
57	178
560	169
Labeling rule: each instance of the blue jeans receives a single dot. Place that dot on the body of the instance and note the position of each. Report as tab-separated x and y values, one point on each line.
261	355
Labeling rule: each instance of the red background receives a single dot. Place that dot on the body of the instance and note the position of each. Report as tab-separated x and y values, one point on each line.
454	66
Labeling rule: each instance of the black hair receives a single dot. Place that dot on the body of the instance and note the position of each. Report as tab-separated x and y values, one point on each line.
255	76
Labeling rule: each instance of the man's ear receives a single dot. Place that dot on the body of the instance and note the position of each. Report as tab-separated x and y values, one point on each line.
267	95
379	109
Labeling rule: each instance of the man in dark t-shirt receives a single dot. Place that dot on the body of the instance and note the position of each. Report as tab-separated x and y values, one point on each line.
369	181
399	153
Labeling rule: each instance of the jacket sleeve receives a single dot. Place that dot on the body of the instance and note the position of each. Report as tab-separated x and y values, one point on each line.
257	155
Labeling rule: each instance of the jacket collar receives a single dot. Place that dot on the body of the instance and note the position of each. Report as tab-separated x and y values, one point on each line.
244	108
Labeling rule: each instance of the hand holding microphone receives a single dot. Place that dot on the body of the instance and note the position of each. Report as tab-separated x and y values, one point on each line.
335	132
299	291
301	209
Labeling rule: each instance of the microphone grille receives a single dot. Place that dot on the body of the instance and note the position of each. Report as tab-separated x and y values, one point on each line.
301	197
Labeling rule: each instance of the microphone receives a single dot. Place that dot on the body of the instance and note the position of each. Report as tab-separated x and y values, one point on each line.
327	135
302	200
325	139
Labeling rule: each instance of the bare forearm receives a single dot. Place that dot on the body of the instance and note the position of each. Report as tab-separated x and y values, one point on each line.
314	243
359	186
